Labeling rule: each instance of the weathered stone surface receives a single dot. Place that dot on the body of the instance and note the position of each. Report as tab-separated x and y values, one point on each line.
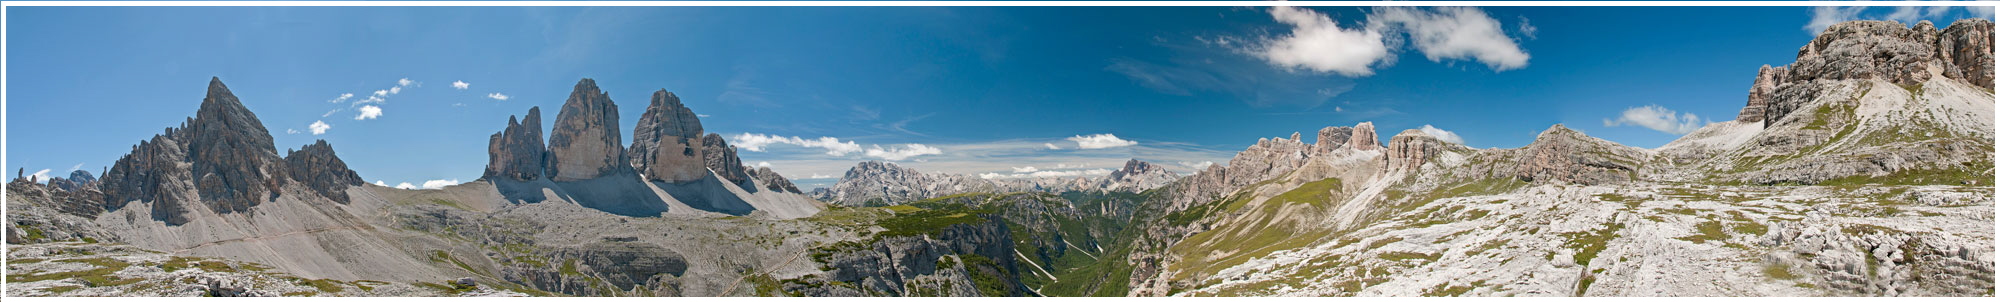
223	158
1967	49
584	143
721	158
667	143
1364	137
318	168
1867	50
1566	156
1332	137
1136	176
516	153
1411	149
773	181
1761	91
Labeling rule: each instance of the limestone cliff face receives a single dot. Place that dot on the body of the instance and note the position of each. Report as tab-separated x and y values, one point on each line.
584	143
1566	156
1332	137
1411	149
222	159
1869	50
721	158
319	169
516	153
667	143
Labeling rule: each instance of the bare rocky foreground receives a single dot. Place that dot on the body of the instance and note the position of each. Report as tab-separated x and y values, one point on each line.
1863	169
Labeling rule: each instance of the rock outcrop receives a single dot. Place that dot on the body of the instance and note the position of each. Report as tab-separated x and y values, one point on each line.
1566	156
773	181
1761	90
584	143
319	169
667	143
721	158
1136	176
222	159
1411	149
1865	50
517	153
1967	49
1332	137
1364	137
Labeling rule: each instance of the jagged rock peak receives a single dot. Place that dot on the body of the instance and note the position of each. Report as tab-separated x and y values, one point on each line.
1761	91
721	158
222	157
1410	149
517	153
584	143
1364	137
317	167
1332	137
1967	48
667	143
773	181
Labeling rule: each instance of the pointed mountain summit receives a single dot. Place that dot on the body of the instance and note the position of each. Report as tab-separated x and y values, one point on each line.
517	153
585	141
667	143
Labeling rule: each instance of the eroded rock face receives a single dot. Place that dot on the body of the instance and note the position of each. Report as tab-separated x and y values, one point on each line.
1566	156
516	153
1332	137
318	168
584	143
773	181
1137	176
1364	137
1411	149
221	159
1967	49
1761	91
667	143
721	158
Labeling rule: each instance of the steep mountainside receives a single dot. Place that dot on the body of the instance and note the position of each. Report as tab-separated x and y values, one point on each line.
875	183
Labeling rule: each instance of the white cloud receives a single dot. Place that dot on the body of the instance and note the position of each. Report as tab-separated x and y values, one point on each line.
435	184
1824	16
319	127
369	112
368	100
343	98
291	131
905	152
1198	165
39	176
1443	135
395	90
330	112
764	164
497	96
819	176
1026	169
1051	146
406	186
1659	119
1983	12
384	92
1455	33
461	85
1526	28
1318	44
756	143
1047	174
1100	141
379	183
404	82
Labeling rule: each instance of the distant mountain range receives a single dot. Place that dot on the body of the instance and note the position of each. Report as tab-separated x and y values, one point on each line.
1864	168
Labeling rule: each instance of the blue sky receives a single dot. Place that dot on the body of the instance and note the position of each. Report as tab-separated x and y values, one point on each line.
977	90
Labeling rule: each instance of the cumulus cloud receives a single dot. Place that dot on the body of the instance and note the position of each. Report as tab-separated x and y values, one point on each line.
435	184
764	164
406	186
1454	33
319	127
903	152
497	96
755	142
1046	174
1441	134
1100	141
1318	44
1027	169
379	183
1198	165
369	112
291	131
461	85
1051	146
819	176
1659	119
383	92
